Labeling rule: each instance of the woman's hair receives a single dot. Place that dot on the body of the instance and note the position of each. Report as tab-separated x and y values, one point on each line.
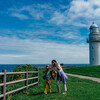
54	60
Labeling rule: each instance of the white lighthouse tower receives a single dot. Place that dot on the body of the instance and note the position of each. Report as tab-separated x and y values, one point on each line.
94	45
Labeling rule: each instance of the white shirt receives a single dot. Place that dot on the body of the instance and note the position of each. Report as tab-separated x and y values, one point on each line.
57	69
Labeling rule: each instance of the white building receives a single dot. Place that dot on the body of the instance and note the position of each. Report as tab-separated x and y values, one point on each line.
94	45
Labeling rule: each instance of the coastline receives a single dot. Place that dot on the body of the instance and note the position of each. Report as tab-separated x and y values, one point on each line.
10	67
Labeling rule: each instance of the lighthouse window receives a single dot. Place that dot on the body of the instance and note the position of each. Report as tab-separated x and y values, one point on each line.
92	59
90	31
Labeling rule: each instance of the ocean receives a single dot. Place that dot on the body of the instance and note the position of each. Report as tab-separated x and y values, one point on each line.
10	67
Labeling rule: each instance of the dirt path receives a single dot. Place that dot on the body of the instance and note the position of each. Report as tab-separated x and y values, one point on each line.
85	77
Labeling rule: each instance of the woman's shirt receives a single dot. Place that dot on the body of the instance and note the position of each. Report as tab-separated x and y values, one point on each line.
47	74
59	68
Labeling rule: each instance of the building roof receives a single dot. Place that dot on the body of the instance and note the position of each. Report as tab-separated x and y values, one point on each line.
93	26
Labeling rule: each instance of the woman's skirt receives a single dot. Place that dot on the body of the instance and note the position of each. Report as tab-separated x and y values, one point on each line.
62	76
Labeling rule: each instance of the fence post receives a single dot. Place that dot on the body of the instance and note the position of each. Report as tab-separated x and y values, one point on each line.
38	75
4	87
26	77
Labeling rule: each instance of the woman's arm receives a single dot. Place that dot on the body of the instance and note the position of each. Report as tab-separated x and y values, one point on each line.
57	66
44	70
52	68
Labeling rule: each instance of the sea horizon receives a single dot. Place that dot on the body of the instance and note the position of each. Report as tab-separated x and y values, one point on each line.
10	67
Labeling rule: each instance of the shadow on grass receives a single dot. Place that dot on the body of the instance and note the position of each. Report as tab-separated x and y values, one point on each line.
36	93
40	93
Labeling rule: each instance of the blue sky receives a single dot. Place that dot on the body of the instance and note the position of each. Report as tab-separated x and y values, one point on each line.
37	31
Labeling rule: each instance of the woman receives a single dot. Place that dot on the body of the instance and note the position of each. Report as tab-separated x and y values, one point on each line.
47	79
60	76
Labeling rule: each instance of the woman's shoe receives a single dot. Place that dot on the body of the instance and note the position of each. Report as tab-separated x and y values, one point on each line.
64	93
45	93
45	90
49	90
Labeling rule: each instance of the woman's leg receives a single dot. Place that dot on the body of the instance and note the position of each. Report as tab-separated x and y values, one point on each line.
58	87
58	80
65	88
45	87
49	86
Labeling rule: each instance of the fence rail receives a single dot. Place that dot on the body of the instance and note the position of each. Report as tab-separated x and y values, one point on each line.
4	83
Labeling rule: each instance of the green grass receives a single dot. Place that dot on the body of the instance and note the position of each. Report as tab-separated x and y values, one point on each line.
78	89
92	71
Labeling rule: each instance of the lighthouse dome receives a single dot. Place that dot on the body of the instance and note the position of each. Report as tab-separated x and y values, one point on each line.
93	26
94	29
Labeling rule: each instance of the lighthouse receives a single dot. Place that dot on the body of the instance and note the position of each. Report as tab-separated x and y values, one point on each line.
94	45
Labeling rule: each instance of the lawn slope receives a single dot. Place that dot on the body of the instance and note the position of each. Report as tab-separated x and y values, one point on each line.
78	89
92	71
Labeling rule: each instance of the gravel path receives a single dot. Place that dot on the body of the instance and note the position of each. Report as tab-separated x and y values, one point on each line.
85	77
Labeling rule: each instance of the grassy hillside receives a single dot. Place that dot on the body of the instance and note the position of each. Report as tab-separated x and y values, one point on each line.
93	71
78	89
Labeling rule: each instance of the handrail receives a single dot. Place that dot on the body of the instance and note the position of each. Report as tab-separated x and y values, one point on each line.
3	85
9	73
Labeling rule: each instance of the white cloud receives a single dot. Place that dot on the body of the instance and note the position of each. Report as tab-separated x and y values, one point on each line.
36	11
40	51
71	35
67	34
79	13
12	55
58	18
20	16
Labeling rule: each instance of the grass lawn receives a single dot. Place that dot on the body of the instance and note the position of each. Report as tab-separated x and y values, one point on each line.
92	71
78	89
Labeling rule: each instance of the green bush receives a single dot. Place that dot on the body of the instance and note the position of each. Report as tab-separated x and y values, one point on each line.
23	68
